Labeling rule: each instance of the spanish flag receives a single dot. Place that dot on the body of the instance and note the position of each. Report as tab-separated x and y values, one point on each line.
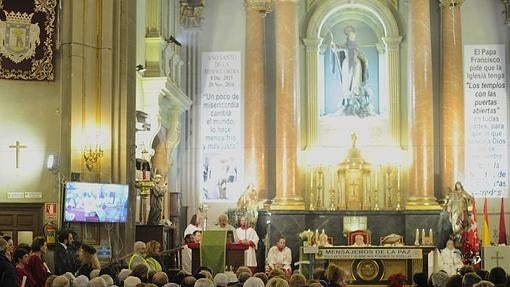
486	240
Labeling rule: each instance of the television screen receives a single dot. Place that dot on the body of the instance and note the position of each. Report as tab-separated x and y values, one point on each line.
95	202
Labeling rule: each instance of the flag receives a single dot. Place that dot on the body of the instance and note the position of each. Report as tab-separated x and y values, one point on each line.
473	231
502	227
486	240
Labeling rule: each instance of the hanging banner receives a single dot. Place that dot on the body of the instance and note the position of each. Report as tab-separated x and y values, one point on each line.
222	157
28	31
485	93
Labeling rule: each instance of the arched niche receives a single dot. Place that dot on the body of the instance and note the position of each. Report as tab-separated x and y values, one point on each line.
381	37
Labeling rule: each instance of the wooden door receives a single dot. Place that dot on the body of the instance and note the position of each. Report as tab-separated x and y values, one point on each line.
15	218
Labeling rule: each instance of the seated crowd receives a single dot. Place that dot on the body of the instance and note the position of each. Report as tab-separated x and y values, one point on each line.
25	266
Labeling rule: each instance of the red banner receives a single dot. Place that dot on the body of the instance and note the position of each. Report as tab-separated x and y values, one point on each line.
28	31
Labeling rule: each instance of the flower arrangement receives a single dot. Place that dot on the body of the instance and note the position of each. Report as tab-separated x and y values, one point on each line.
397	280
306	237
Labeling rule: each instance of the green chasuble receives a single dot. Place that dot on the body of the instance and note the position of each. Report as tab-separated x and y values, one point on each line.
212	250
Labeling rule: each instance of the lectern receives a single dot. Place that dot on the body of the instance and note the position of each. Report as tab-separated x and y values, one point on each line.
234	255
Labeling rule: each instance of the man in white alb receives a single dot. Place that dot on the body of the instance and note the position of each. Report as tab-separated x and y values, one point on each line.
279	256
248	236
450	259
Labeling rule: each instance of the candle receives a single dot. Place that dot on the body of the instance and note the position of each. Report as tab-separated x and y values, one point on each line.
312	175
417	236
398	178
422	235
430	236
376	177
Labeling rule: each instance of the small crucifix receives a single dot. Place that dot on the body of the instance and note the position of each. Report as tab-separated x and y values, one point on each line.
497	257
18	146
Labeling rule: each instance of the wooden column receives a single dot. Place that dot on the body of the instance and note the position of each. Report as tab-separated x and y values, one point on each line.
421	176
452	96
287	194
254	104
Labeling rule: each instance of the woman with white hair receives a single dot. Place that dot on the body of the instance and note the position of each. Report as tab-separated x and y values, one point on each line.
204	282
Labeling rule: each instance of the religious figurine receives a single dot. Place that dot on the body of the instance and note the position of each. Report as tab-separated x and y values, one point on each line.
156	201
456	204
352	66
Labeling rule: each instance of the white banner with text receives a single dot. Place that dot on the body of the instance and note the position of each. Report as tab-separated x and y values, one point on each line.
221	122
485	92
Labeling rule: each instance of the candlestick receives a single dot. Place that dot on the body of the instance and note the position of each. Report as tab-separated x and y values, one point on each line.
417	237
430	236
422	236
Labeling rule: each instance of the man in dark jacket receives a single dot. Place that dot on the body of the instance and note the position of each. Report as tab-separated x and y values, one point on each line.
7	269
65	260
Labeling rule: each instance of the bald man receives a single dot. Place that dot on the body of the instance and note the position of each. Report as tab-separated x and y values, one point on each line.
224	225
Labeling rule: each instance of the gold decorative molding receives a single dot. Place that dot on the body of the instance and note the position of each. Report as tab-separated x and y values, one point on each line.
191	12
451	3
507	11
262	6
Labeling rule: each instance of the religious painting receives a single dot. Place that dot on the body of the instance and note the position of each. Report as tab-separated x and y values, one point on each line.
353	74
352	92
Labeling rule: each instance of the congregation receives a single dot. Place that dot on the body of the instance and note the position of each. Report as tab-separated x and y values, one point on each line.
77	265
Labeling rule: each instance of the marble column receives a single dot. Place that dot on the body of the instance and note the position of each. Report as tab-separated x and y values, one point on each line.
452	96
288	196
392	45
254	103
421	175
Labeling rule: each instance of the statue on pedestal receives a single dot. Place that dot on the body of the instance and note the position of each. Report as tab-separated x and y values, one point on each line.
156	201
457	204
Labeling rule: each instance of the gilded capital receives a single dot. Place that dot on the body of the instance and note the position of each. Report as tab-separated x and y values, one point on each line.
450	3
262	6
191	12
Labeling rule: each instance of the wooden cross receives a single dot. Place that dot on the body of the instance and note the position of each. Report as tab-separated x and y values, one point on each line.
17	147
497	257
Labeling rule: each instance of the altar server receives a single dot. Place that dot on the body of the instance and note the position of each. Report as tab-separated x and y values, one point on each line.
248	236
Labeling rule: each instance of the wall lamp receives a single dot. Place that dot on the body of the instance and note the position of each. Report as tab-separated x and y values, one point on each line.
91	156
52	163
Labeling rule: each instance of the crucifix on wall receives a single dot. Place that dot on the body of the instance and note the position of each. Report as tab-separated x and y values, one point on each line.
18	147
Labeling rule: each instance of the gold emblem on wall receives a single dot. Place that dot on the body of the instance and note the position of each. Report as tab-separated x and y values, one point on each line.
368	269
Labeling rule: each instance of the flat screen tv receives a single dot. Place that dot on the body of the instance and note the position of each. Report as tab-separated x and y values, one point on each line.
95	202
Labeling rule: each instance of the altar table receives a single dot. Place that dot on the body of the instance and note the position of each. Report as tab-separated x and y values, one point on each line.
372	265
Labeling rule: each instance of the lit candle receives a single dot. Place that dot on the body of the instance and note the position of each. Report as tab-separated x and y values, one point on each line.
417	236
430	236
422	236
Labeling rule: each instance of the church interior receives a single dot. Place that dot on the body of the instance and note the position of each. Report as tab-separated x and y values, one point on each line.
306	116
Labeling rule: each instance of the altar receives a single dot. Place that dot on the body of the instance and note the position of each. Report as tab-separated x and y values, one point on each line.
371	265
